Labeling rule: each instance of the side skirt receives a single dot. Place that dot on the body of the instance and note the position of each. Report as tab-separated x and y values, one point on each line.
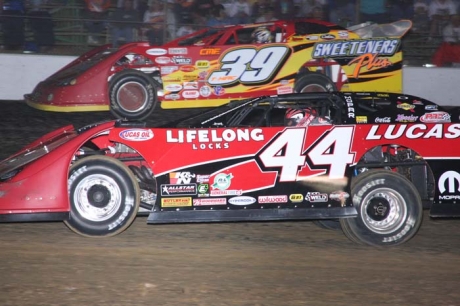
59	216
188	216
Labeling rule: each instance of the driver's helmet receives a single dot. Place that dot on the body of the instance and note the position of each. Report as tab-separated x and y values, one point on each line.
299	117
262	35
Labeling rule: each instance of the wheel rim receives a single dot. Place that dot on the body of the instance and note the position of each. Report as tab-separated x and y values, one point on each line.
383	210
132	96
314	88
97	197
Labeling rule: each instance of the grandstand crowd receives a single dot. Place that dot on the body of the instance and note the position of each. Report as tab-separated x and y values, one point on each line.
437	22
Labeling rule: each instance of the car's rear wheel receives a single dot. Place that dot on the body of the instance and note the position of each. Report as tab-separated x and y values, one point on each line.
104	197
133	95
389	209
314	82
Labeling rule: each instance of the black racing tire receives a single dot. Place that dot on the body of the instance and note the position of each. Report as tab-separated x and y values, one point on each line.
104	197
314	82
330	224
133	95
390	210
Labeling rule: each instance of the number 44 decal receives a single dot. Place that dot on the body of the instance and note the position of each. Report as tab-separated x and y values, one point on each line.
286	153
249	66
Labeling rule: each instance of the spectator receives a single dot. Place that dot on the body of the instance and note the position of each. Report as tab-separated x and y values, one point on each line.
268	15
183	11
259	7
41	24
372	10
13	24
186	29
240	12
154	20
284	9
448	54
218	17
439	12
124	21
401	9
201	10
317	13
171	24
420	23
96	19
343	12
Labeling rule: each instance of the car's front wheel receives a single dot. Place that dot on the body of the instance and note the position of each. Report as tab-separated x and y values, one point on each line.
104	197
389	209
133	95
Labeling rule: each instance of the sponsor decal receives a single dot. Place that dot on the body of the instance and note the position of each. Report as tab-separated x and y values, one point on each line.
431	107
327	37
284	90
370	62
209	202
312	37
205	91
172	79
242	200
191	85
202	178
343	34
386	47
187	68
189	77
316	197
404	118
222	181
350	107
156	51
417	102
173	87
220	193
172	97
190	94
176	202
181	177
168	69
403	98
203	189
449	182
162	60
296	198
178	189
136	134
383	120
272	199
210	51
435	117
414	131
361	119
177	50
405	106
202	75
383	95
213	138
202	64
181	60
339	196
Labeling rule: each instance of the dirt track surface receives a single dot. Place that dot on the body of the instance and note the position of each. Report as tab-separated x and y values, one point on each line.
277	263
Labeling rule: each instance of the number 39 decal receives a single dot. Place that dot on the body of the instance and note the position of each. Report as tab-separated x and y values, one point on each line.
249	66
285	152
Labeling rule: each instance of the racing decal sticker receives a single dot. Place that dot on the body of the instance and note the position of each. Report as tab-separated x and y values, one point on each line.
242	200
156	51
203	190
168	190
205	91
173	87
406	106
383	120
449	186
190	94
222	181
181	177
316	197
191	85
435	117
187	68
415	131
136	134
353	48
177	50
361	119
272	199
350	107
201	64
284	90
168	69
162	60
176	202
202	178
405	118
181	60
219	91
209	202
210	51
296	198
249	66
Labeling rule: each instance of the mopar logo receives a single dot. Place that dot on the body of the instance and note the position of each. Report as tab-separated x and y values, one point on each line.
451	179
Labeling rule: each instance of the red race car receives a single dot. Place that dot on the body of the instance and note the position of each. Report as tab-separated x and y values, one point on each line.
212	66
366	162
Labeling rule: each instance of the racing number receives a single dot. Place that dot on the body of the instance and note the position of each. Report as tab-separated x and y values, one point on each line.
286	152
249	65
